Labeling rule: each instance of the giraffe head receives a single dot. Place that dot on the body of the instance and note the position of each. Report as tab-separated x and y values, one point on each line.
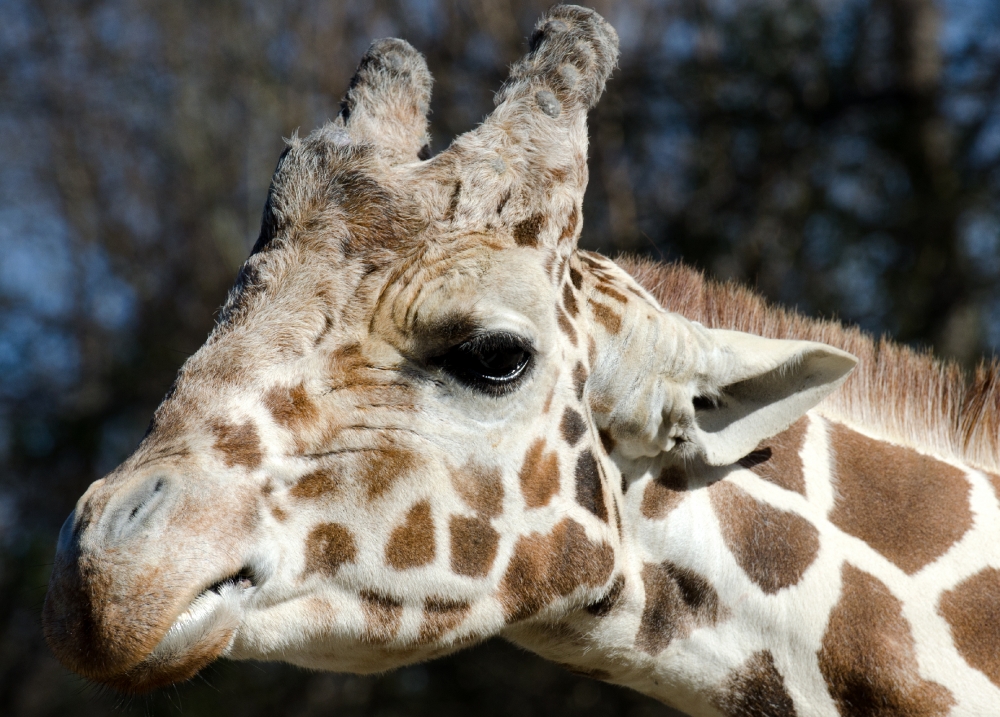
409	428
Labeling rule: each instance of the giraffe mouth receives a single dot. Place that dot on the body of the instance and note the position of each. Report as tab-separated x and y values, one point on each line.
215	613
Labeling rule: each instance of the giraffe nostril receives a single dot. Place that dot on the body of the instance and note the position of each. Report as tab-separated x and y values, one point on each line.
137	508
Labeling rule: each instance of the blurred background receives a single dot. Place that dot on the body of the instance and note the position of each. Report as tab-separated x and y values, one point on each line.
843	156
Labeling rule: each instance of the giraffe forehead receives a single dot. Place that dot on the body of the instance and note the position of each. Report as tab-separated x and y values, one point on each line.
479	278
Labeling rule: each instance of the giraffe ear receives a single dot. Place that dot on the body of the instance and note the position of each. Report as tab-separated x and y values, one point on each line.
754	388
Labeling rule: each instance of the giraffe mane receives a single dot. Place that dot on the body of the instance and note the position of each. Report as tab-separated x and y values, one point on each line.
897	393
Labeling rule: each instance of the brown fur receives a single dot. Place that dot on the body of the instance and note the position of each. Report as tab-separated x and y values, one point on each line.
589	486
756	690
777	459
329	546
321	483
774	547
97	609
607	443
546	567
152	674
934	404
383	615
972	609
611	293
480	488
412	543
572	426
664	493
291	407
909	507
579	380
565	326
526	232
381	469
440	616
239	445
606	317
539	476
473	545
569	301
868	657
677	601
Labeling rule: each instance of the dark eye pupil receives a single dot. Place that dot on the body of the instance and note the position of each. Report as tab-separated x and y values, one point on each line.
492	362
498	364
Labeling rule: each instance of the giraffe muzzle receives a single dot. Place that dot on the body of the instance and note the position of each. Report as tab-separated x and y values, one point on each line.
132	603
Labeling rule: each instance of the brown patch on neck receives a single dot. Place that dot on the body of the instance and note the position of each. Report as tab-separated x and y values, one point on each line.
321	483
539	475
480	488
329	546
589	486
238	444
777	459
473	546
677	601
757	689
544	568
868	658
291	407
972	610
381	469
383	615
774	547
909	507
441	616
412	543
664	493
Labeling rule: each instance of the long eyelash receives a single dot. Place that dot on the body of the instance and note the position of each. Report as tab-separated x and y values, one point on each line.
496	340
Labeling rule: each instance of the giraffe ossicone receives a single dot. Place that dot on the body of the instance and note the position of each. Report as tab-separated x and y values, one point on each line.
426	418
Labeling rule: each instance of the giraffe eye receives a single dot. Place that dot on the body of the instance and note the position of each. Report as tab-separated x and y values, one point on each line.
492	363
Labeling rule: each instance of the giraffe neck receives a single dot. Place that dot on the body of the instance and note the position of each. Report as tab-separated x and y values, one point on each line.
827	573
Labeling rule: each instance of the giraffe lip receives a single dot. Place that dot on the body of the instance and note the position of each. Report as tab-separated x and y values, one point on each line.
243	579
216	609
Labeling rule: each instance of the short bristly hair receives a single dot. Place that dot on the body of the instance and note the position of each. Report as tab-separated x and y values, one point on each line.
901	394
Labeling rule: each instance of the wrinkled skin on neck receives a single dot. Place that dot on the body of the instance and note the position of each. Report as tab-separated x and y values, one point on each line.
400	438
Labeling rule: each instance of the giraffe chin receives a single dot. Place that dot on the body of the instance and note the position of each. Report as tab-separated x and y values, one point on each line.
200	635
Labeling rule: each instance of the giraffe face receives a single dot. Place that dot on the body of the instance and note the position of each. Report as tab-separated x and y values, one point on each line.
366	488
369	462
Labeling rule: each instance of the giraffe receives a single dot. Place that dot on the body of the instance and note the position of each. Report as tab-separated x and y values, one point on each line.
426	418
